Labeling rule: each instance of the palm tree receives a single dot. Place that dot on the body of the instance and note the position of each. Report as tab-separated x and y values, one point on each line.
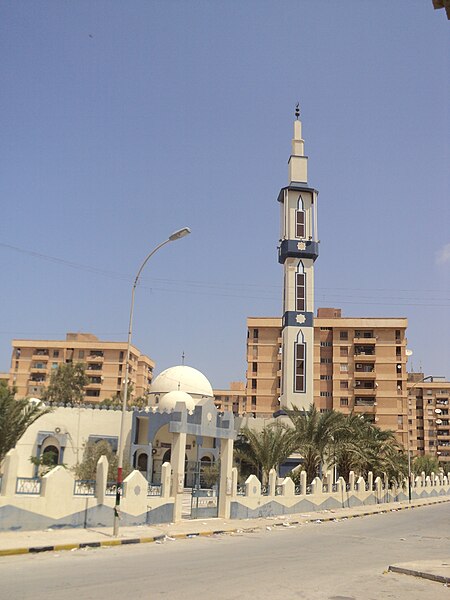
315	435
427	463
266	449
361	446
15	418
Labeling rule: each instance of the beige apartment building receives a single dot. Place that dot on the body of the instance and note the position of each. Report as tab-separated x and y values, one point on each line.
233	399
33	362
359	366
428	416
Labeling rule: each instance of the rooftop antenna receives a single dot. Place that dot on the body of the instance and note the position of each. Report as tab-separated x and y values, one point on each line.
297	110
182	358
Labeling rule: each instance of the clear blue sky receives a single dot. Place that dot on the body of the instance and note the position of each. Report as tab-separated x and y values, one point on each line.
123	121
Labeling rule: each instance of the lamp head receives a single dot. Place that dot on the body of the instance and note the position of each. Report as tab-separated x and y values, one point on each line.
179	234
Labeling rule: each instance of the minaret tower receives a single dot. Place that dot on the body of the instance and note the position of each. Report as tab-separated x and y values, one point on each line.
299	248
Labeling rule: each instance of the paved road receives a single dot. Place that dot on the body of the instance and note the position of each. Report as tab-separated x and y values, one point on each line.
329	561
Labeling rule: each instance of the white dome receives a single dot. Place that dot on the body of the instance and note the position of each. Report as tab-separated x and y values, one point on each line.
182	379
169	400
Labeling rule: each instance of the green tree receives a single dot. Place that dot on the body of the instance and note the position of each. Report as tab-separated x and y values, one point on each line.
46	462
314	437
361	446
92	453
15	418
266	449
427	463
67	384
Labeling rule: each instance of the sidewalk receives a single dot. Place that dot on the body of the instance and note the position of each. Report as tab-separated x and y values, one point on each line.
24	542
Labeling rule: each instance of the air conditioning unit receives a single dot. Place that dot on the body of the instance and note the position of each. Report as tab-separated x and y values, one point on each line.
359	366
57	430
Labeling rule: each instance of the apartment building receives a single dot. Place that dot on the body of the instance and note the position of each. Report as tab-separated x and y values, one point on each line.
359	366
33	362
233	399
428	416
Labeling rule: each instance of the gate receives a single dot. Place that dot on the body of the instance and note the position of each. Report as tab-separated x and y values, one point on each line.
203	478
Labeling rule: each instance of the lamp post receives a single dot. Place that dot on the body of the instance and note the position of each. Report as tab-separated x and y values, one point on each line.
175	236
407	432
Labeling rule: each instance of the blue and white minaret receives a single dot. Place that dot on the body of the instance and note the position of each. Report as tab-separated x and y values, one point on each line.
298	250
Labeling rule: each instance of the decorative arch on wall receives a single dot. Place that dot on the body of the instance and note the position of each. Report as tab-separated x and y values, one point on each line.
300	219
300	364
300	288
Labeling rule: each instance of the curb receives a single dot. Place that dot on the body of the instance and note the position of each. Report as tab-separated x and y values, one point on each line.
422	574
184	536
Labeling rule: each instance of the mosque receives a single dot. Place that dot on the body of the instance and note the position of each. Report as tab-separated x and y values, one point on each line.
181	400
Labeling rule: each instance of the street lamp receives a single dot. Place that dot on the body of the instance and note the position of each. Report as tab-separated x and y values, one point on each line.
175	236
407	433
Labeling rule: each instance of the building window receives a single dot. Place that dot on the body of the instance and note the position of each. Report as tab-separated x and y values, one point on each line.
326	361
300	288
326	344
299	385
343	335
344	385
325	394
54	365
326	329
55	353
344	402
343	351
81	354
300	219
343	368
93	393
255	367
326	377
253	384
255	334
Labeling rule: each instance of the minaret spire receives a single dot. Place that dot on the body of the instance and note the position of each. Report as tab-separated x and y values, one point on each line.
298	162
297	253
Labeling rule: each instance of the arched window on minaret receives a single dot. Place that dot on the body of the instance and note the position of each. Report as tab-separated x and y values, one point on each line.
300	219
300	370
300	285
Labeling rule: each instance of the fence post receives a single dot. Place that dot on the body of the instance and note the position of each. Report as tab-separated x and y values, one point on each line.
101	479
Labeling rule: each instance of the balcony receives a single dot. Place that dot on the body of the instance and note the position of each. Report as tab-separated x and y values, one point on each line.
40	355
38	369
94	367
95	357
369	401
362	391
364	340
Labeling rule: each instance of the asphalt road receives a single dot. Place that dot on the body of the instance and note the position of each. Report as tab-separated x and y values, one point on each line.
344	560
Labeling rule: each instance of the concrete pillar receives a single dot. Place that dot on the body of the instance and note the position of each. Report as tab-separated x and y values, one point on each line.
379	488
351	481
287	487
370	480
10	465
252	486
101	479
316	486
166	479
303	483
177	457
272	482
234	481
225	486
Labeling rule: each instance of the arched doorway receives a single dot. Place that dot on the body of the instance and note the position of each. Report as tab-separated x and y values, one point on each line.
50	456
142	463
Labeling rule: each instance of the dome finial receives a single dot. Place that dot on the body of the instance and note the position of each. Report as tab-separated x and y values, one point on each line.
297	110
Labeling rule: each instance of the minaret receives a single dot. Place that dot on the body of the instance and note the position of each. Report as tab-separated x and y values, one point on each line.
299	248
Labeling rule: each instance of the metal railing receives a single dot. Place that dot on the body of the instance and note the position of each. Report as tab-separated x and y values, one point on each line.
278	490
84	487
241	490
154	489
111	488
28	485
